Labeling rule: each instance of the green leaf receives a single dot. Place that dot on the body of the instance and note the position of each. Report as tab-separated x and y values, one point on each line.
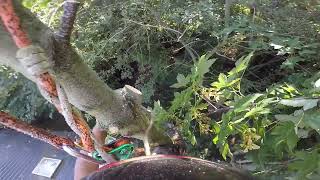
312	119
225	151
241	65
40	3
182	81
181	99
159	113
193	140
300	102
222	82
216	127
306	163
243	103
294	119
291	62
285	133
215	139
44	3
292	140
203	65
257	111
222	78
28	3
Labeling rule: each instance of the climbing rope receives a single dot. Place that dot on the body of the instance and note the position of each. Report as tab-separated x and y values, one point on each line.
29	53
38	133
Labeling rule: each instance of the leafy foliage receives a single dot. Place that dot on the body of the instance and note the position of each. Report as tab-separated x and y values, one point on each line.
253	96
269	120
21	97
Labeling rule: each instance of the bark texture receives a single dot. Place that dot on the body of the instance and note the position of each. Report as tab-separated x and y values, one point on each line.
118	111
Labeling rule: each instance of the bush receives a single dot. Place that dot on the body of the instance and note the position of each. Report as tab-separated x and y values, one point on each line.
21	98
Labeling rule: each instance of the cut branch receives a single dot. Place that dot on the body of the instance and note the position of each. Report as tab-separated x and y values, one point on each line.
70	9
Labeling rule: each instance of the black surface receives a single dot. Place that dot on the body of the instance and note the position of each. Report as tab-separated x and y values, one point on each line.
169	167
20	154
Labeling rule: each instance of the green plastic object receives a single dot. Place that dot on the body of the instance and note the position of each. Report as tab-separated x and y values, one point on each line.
122	152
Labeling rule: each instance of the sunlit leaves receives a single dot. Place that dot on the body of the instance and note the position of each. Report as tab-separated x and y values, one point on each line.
203	66
249	138
200	69
225	150
224	82
241	65
40	3
243	103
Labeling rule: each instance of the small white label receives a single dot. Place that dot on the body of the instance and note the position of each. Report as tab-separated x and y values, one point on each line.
46	167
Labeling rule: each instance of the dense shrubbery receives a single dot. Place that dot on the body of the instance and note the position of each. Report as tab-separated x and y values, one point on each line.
253	91
21	97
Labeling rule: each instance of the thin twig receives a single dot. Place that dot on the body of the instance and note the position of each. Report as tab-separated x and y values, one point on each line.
208	101
153	26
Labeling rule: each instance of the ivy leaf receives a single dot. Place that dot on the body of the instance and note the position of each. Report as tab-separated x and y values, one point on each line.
182	81
300	102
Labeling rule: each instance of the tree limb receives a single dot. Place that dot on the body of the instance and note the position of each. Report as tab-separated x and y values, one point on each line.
70	9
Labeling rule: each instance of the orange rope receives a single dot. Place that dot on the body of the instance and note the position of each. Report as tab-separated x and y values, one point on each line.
12	23
34	132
